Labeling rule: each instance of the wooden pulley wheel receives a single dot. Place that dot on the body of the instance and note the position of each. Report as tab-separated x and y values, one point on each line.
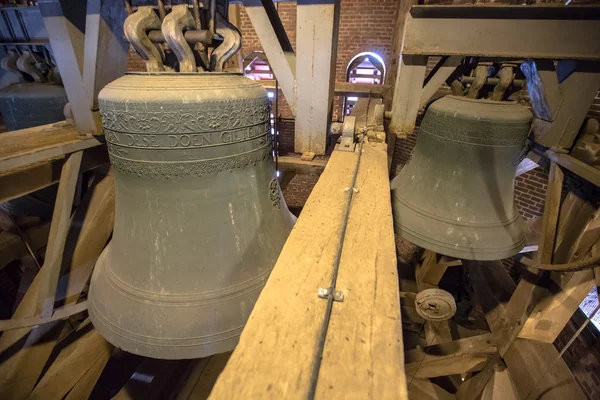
435	305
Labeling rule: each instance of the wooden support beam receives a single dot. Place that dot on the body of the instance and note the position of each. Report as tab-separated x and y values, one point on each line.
73	362
570	106
472	388
12	246
424	389
448	66
281	59
538	372
61	219
397	38
457	357
58	314
364	338
202	378
407	94
289	163
82	34
316	44
30	348
347	89
363	353
529	291
576	166
578	231
27	179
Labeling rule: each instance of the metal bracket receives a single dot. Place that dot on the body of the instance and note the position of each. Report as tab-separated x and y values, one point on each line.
338	295
348	134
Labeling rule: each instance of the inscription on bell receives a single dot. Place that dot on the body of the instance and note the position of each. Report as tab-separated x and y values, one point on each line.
186	140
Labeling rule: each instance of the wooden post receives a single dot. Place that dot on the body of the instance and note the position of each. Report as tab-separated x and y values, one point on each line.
61	221
281	57
86	61
407	94
316	44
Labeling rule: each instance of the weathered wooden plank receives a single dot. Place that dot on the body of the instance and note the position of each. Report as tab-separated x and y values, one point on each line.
12	247
276	350
471	388
289	163
24	141
529	291
73	362
438	79
61	220
578	231
24	352
423	389
316	45
500	387
363	353
407	94
58	314
457	357
29	178
534	375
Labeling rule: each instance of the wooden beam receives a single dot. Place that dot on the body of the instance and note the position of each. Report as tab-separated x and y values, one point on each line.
39	144
105	50
448	66
529	291
58	314
538	372
59	229
72	363
27	179
457	357
424	389
12	246
66	31
347	89
316	44
364	338
277	349
283	62
30	348
203	376
407	94
397	39
472	388
579	230
289	163
576	166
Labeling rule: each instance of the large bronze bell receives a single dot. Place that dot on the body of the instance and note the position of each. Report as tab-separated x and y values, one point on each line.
456	195
200	218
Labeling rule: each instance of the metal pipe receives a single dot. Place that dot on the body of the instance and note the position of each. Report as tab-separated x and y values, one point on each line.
191	36
196	14
162	13
213	17
493	81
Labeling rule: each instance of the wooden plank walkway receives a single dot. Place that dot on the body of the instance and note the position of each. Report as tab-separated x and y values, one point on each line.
363	353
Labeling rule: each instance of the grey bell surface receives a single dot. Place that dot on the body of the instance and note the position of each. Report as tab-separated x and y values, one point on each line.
456	195
200	218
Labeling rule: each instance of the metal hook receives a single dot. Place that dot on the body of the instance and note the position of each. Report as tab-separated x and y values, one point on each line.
481	72
506	76
232	42
136	27
26	63
173	26
9	63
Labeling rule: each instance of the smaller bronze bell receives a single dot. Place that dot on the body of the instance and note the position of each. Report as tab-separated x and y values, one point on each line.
456	195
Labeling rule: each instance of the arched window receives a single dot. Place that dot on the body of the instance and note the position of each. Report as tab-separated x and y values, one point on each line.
367	68
256	66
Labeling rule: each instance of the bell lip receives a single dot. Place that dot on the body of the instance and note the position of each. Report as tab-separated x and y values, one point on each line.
187	74
483	101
